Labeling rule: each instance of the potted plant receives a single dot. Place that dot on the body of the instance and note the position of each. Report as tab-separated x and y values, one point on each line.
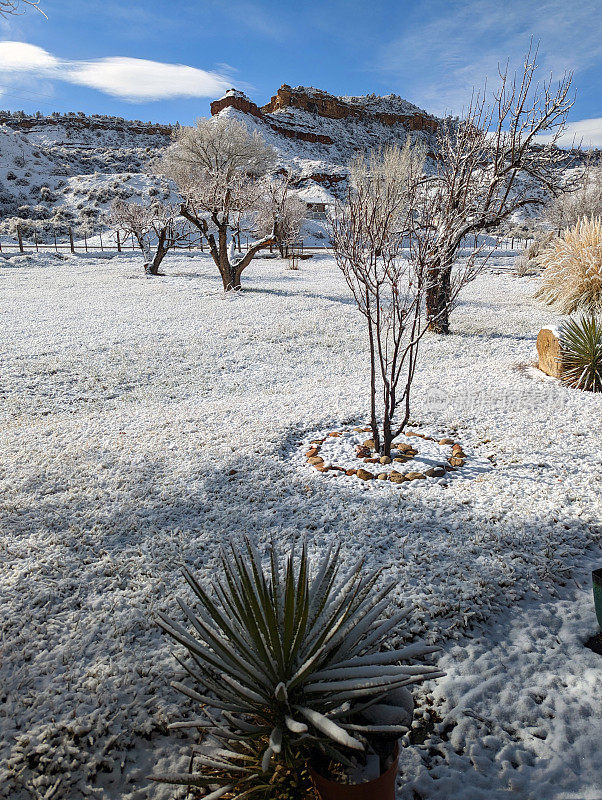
288	662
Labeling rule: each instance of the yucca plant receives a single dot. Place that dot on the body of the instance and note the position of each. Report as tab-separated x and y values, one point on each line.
572	269
294	658
581	347
236	772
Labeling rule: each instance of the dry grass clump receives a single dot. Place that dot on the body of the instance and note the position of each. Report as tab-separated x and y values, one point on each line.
572	269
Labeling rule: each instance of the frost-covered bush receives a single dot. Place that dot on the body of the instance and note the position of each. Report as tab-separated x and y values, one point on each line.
47	195
572	269
581	343
290	655
568	208
528	261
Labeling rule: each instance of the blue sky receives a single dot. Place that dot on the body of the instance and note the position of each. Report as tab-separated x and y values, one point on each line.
119	56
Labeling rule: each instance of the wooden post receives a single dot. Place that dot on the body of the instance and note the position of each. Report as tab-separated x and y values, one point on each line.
71	242
20	238
35	241
100	236
118	243
85	242
55	247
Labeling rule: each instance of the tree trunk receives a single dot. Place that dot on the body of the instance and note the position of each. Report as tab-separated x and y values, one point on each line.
160	253
438	299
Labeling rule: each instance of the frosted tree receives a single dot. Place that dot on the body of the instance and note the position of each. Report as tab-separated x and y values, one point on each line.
384	241
489	166
281	212
566	210
367	235
218	167
155	227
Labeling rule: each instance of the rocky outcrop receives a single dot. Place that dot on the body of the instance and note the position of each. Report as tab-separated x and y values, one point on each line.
315	101
79	121
239	101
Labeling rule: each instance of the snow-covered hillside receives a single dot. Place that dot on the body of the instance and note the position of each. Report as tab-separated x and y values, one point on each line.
59	174
63	170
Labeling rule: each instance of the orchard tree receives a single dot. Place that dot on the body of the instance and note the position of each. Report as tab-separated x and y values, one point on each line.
281	212
156	227
489	166
219	169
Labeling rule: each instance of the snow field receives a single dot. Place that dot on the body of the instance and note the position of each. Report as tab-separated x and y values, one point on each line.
143	421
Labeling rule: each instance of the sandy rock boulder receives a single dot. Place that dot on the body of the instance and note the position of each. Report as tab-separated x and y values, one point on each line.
549	352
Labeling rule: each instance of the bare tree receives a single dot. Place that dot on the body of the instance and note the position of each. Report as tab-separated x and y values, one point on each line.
488	167
282	212
367	234
566	210
218	167
384	240
15	6
155	227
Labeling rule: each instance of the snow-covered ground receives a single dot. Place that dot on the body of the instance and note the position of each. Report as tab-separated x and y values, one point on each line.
143	420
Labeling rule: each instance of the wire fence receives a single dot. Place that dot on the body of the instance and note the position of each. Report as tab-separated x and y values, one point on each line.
118	241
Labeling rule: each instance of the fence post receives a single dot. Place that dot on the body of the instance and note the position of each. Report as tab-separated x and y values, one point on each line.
20	238
118	243
71	242
100	237
35	241
85	242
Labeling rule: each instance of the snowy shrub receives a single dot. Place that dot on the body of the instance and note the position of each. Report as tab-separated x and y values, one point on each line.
528	261
572	269
581	343
27	227
568	208
10	176
47	195
289	656
21	182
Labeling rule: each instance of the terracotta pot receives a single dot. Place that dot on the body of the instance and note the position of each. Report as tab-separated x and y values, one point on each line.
382	788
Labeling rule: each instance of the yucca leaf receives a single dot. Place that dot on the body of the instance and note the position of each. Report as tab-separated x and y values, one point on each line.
210	701
294	726
330	728
192	779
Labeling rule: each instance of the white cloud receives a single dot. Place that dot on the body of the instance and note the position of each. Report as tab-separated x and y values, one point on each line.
584	133
132	79
137	79
23	57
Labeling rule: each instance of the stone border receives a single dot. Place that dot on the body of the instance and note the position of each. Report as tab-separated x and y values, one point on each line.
364	452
